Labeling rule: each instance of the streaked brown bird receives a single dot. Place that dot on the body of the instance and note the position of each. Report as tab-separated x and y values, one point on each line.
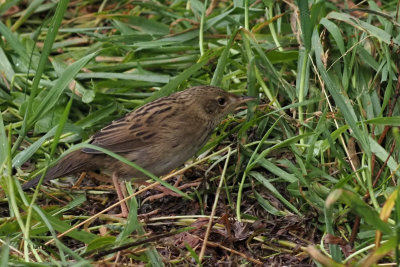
159	136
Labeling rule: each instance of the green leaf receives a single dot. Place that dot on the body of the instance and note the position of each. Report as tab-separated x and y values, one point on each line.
267	206
3	141
341	100
305	23
354	201
5	66
156	78
146	25
384	156
27	153
14	43
178	80
219	70
335	31
271	72
51	35
51	98
392	121
33	5
100	243
75	202
260	178
132	222
364	26
5	250
268	165
62	226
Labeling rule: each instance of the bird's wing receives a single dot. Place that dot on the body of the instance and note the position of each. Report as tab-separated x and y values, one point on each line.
138	128
123	135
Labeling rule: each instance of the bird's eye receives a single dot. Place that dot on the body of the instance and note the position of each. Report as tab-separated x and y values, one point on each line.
221	101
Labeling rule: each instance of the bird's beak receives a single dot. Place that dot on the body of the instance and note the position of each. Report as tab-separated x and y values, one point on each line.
245	99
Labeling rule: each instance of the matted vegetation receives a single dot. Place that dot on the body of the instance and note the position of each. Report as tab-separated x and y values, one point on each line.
306	176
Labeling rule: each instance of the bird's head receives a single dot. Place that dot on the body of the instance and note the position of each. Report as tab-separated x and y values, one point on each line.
214	103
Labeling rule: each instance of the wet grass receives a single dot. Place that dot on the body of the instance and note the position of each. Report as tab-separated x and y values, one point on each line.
306	176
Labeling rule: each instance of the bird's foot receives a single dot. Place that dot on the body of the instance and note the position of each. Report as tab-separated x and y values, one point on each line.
167	192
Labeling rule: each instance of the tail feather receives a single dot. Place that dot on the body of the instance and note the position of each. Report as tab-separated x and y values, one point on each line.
72	163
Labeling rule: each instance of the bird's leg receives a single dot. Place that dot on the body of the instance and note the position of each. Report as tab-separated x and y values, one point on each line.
81	177
99	177
166	192
117	185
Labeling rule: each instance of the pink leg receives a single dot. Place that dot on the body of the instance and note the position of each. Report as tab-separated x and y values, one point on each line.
117	185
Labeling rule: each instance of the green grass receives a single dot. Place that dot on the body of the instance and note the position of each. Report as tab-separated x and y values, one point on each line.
314	164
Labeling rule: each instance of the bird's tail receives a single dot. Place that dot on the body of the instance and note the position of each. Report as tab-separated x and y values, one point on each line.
71	163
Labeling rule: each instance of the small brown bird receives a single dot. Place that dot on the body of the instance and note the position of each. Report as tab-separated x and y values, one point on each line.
159	136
